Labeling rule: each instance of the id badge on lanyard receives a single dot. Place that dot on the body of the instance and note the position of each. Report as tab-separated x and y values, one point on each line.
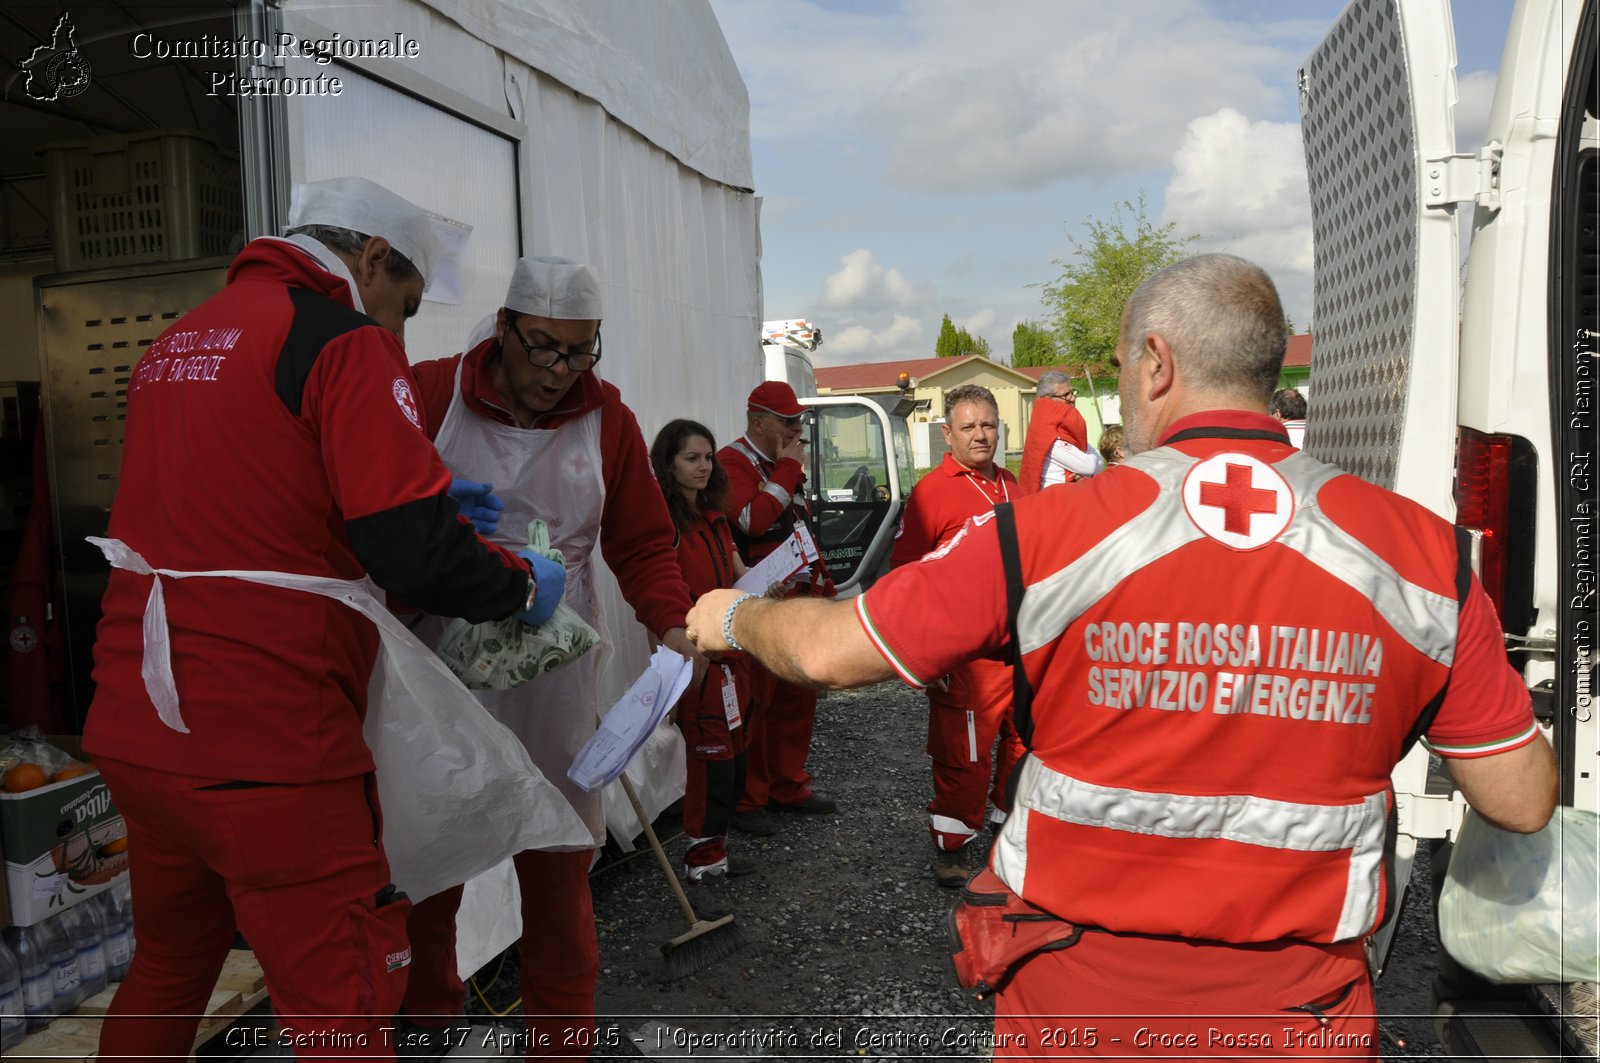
730	698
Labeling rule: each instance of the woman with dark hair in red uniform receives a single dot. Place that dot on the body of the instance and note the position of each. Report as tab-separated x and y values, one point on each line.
711	715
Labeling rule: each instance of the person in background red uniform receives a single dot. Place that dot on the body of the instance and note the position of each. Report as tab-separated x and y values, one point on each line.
766	468
273	430
1232	645
713	716
1057	448
523	411
971	706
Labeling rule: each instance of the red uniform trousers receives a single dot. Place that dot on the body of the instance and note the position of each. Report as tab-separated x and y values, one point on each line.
299	869
781	721
560	954
715	759
1144	998
963	723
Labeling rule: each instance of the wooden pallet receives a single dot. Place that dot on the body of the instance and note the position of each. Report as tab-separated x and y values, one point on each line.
240	987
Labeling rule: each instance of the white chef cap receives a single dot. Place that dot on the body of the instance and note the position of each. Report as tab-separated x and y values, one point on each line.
556	288
367	207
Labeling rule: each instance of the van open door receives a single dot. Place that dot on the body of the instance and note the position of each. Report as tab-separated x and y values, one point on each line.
1376	103
859	476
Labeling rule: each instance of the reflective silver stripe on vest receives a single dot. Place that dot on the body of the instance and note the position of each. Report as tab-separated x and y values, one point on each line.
1427	621
1234	817
1058	599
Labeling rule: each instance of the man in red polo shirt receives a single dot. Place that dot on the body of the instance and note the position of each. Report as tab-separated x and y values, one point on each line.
968	708
1232	645
766	470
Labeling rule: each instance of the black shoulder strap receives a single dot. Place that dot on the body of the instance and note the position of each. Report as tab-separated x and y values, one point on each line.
1005	523
1463	586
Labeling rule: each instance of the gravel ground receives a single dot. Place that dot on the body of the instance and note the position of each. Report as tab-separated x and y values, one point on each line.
846	952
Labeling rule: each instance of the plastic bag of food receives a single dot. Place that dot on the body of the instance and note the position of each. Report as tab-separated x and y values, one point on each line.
1525	907
501	654
28	761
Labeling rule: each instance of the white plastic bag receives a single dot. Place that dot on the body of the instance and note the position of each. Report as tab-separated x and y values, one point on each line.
458	789
1525	907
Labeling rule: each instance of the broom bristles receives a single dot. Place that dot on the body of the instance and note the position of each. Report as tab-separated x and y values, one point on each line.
705	943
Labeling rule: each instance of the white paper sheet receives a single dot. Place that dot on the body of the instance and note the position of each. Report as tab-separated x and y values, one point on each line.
632	720
778	566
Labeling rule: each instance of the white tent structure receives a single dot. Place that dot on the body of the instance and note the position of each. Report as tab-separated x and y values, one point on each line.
607	131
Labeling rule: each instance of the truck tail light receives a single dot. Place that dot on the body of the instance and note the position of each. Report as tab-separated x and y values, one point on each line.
1496	477
1483	499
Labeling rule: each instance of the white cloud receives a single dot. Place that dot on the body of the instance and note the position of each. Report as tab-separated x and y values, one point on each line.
861	281
1241	185
1474	94
955	97
979	322
901	338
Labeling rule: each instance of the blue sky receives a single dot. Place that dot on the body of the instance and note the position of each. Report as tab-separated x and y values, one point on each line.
927	157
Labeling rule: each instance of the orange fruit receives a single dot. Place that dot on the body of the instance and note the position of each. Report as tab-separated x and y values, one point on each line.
24	777
72	771
115	846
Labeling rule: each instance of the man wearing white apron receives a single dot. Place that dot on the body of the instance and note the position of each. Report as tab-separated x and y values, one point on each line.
274	444
523	411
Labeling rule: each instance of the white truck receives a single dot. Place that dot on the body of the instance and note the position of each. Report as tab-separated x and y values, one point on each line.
1477	400
860	451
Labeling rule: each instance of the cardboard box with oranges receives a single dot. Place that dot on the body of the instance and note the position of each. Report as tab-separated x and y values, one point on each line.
62	843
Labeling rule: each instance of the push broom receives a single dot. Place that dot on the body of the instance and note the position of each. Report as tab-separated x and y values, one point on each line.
707	940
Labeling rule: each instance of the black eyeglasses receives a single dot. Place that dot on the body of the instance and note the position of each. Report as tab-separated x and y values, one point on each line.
545	357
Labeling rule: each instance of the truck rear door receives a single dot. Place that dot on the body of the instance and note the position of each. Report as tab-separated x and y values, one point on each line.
1376	99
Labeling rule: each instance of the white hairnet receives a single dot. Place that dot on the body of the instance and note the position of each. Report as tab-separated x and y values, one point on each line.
556	288
367	207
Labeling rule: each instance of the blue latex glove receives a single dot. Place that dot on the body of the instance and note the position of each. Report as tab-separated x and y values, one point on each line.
550	579
478	504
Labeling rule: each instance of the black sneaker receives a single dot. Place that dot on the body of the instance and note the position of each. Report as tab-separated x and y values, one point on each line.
740	866
706	899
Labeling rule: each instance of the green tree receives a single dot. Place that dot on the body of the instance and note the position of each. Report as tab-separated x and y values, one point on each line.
1032	344
1084	304
948	345
958	342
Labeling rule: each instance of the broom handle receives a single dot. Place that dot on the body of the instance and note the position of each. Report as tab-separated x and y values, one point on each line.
661	854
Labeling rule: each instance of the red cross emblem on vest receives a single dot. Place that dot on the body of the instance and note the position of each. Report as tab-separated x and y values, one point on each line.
1240	501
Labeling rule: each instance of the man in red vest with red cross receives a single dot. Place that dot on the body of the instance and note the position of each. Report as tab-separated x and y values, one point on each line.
1228	645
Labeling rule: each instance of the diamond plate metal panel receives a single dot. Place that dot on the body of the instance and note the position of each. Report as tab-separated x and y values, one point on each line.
1361	159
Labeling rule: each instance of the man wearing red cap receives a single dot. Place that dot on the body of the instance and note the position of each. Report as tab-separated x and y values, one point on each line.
766	468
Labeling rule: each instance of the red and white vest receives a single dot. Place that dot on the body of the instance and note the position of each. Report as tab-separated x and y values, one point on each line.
1230	648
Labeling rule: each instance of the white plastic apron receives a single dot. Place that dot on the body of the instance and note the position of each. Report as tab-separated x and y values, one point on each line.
458	796
555	475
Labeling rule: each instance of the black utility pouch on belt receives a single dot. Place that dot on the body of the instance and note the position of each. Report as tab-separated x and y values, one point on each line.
993	931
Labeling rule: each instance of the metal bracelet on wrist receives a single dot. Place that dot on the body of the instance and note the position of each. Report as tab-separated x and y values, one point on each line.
727	621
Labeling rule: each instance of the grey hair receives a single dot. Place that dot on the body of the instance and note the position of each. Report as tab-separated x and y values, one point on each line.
400	268
1048	382
968	393
1222	318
